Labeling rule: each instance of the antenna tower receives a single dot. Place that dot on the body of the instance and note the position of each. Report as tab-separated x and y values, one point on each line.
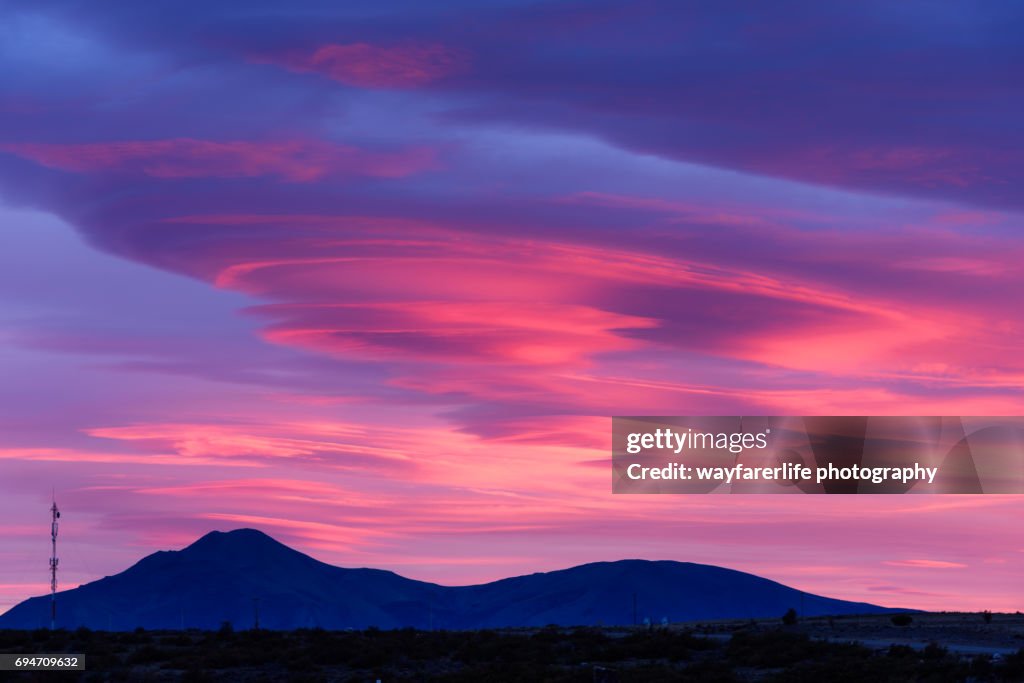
53	566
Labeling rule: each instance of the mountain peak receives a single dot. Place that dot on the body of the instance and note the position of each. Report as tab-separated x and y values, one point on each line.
243	533
237	540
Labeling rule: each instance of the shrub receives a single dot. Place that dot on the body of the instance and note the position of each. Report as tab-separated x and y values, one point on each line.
902	620
1012	668
147	654
902	652
789	618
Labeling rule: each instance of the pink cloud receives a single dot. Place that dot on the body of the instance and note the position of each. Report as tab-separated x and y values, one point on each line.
294	161
335	444
424	299
70	455
471	332
885	401
926	564
461	293
376	66
898	592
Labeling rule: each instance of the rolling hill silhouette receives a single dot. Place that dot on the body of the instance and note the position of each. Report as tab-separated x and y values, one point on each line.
220	577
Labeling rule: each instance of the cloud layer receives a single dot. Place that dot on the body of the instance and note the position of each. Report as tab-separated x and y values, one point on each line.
372	277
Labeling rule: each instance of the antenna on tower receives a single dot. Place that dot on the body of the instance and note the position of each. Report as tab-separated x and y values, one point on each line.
53	565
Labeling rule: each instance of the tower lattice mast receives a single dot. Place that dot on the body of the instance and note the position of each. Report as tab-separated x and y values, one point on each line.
53	566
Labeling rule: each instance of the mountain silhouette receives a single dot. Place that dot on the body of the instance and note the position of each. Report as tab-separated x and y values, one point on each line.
229	576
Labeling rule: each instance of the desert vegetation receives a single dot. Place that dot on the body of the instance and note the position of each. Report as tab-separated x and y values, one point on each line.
722	653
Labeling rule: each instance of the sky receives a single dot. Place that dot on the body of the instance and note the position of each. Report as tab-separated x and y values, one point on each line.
372	277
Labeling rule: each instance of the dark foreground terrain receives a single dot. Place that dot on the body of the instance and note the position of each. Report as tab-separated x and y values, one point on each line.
933	647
